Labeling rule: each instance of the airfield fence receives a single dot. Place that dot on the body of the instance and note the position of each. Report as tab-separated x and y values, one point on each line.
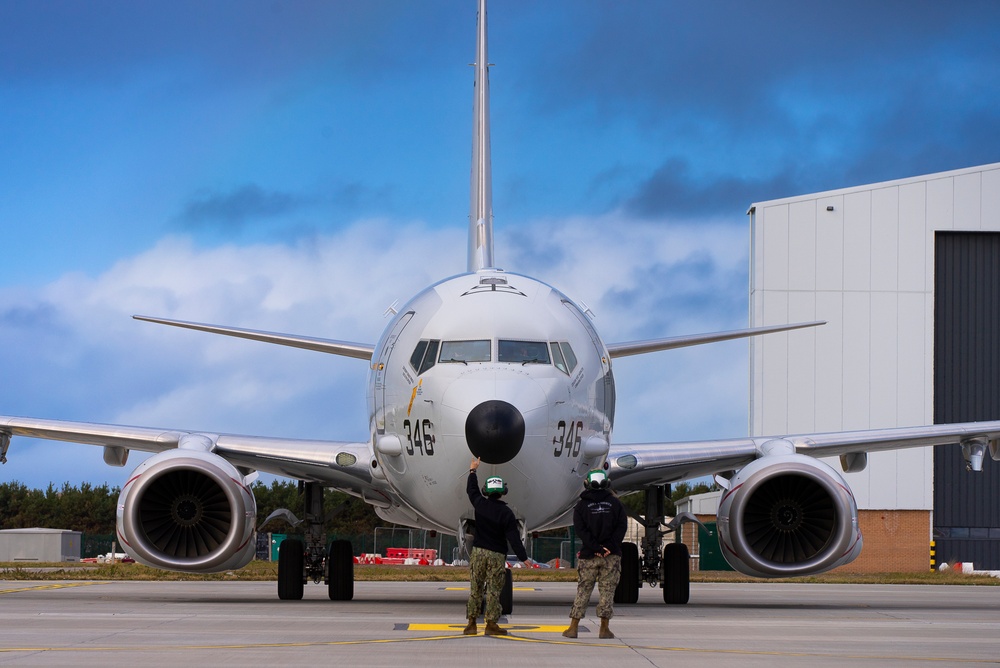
95	545
545	548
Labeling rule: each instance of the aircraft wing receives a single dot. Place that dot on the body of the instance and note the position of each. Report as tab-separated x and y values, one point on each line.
345	348
635	465
342	465
655	345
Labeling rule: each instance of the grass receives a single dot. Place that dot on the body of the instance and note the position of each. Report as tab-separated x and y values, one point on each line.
268	571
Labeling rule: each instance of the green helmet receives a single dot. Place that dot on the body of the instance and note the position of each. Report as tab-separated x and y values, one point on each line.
495	485
597	479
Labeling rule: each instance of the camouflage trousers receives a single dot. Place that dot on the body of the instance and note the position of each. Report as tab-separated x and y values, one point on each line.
486	573
605	572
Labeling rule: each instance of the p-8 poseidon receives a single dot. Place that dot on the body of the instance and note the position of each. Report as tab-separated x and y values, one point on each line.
501	366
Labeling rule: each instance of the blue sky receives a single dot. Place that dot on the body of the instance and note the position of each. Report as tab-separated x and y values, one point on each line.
298	166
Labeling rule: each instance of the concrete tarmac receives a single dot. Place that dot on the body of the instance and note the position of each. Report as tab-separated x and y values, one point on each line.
409	624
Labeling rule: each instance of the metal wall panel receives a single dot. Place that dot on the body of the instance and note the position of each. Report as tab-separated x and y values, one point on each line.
966	388
874	253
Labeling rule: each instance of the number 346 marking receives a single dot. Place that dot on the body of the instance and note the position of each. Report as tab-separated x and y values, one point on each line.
419	436
567	439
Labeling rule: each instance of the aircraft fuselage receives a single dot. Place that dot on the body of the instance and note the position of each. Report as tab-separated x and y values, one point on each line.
492	365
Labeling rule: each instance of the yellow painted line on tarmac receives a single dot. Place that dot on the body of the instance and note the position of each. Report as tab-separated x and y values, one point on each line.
185	648
467	589
458	628
613	645
65	585
617	644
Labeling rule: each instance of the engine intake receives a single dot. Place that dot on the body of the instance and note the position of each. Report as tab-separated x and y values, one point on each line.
787	515
187	510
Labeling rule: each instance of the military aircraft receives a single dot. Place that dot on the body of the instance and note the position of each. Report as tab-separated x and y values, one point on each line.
501	366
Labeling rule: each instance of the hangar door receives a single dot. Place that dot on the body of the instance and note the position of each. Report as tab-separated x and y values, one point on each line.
966	388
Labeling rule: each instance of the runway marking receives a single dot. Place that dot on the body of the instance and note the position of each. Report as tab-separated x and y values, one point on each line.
52	586
615	645
458	628
467	589
169	648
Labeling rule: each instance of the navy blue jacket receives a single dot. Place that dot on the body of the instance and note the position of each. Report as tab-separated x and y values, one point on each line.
495	522
600	521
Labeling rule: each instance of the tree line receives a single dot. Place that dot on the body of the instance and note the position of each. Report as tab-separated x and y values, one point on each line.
636	501
91	508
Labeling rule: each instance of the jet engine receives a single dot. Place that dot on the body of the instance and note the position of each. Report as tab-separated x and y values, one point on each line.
786	515
187	510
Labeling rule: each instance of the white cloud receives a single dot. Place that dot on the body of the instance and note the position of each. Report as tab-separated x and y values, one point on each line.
88	360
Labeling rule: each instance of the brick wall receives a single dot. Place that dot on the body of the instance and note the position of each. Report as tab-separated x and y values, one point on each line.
896	541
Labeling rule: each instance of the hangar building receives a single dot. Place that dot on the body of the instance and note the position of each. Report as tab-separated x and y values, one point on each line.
907	275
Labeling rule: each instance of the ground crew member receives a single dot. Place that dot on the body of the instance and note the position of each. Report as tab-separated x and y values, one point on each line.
600	522
495	527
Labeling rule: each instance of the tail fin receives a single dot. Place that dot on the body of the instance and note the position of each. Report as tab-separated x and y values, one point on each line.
481	210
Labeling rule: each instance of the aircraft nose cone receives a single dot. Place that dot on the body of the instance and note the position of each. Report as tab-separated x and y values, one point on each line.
494	431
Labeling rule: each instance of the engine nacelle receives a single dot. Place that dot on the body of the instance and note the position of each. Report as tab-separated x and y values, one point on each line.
786	515
187	510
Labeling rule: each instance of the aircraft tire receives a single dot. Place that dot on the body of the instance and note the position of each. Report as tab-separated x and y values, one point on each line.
291	561
676	574
340	571
507	593
627	590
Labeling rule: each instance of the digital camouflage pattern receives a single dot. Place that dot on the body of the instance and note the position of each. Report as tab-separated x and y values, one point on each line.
603	571
486	573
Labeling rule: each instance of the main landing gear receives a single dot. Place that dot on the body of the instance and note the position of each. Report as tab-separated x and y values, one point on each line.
300	561
669	567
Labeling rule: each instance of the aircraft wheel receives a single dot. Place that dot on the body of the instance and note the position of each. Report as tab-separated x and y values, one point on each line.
340	571
507	593
291	562
676	574
627	590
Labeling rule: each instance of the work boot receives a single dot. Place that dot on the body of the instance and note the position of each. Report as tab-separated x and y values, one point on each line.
605	632
493	630
471	629
571	631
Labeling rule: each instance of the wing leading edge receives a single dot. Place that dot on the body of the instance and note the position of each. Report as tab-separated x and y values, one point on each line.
655	345
339	464
344	348
637	465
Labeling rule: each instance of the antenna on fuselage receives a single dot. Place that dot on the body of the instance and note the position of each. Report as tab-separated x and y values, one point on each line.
481	210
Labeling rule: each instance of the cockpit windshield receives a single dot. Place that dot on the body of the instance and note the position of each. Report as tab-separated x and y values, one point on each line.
465	351
523	352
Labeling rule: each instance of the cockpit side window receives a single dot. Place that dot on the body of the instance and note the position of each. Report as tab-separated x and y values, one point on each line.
418	354
523	352
424	355
465	351
557	358
432	351
569	355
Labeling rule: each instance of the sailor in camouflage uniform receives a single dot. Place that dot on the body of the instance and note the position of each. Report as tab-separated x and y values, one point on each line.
495	527
600	522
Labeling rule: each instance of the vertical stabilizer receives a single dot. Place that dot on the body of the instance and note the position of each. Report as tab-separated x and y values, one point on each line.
481	211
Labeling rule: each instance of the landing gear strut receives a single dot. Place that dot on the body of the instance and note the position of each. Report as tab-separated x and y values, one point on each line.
669	568
299	562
